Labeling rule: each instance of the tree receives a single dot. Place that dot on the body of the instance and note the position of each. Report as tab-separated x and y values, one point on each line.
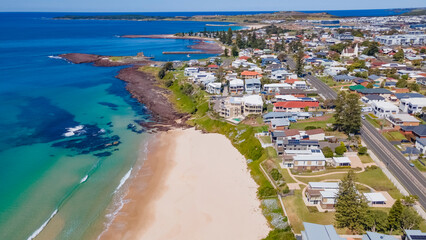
348	113
410	219
162	73
328	153
239	41
376	221
282	57
409	200
280	234
226	52
414	87
275	174
362	150
234	51
229	37
370	85
351	206
399	56
372	49
394	218
299	62
402	83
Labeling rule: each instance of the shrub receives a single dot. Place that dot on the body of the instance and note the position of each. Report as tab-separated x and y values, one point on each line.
162	73
168	83
310	127
286	190
187	88
266	191
340	150
328	153
362	150
276	175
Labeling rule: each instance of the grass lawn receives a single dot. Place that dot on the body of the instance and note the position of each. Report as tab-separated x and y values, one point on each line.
302	124
297	213
286	176
376	179
261	129
365	158
419	165
266	139
328	170
394	136
372	120
319	179
330	82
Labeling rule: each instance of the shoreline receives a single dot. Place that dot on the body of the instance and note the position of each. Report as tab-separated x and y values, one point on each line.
179	179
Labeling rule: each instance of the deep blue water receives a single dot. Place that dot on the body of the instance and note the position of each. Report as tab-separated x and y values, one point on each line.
46	174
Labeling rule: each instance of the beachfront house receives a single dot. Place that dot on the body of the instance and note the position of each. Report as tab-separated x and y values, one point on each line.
275	87
252	104
309	163
231	107
375	198
322	194
190	71
295	106
319	232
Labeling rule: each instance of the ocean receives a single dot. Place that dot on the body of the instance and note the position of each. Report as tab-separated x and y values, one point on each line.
69	137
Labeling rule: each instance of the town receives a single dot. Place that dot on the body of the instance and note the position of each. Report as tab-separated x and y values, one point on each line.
338	109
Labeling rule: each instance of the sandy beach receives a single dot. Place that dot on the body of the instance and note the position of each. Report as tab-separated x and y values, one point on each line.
192	186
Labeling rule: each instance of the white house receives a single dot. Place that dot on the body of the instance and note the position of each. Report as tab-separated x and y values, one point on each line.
333	71
252	104
190	71
252	86
421	145
279	75
412	105
341	162
214	88
236	86
300	85
275	87
383	109
350	52
375	198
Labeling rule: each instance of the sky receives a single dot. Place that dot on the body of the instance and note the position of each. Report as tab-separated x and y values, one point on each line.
199	5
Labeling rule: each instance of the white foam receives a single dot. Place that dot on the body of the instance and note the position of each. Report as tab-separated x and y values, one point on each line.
84	179
71	131
123	180
55	57
38	231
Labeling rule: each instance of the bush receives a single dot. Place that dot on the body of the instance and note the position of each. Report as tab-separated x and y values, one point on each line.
168	83
340	150
187	88
280	234
362	150
328	153
276	175
266	191
286	190
310	127
162	73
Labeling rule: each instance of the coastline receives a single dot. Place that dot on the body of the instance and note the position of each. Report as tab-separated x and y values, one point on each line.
180	179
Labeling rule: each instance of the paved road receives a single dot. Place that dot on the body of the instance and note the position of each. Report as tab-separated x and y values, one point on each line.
408	176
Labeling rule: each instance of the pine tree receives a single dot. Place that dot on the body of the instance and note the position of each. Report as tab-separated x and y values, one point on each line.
347	113
339	110
299	62
229	37
351	206
394	218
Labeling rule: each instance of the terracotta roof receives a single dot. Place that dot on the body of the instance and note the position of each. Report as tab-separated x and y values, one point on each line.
212	66
314	131
296	104
291	132
244	57
249	73
291	81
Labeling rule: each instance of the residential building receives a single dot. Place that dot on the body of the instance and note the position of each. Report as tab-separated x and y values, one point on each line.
377	236
375	91
319	232
333	71
316	134
250	74
252	86
343	78
421	145
404	40
375	198
412	105
341	162
369	98
383	109
413	235
214	88
291	116
279	124
236	87
402	119
295	106
283	143
322	193
275	87
300	85
189	71
231	107
314	162
252	104
420	131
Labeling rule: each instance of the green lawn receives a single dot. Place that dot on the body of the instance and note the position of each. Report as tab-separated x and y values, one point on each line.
375	178
330	82
394	136
365	158
419	165
372	120
302	124
266	139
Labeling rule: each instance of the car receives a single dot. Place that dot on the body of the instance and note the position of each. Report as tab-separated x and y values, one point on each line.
363	117
411	165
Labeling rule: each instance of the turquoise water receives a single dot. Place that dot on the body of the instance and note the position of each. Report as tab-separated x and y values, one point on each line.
66	148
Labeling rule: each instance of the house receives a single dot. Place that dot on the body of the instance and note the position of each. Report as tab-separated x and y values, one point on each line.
214	88
316	134
279	74
400	96
375	198
309	162
322	193
402	119
412	105
300	85
383	109
341	162
421	145
190	71
377	236
319	232
279	124
252	104
413	235
275	87
350	52
250	74
292	116
333	71
231	107
295	106
283	143
375	91
252	86
236	86
267	61
420	131
369	98
343	78
277	136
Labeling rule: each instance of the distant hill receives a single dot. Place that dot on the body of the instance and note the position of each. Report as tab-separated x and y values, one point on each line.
415	12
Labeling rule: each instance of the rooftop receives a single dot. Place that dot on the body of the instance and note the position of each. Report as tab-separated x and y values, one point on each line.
317	232
374	91
296	104
341	159
375	197
377	236
324	185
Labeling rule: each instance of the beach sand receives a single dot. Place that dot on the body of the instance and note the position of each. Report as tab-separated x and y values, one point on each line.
192	186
